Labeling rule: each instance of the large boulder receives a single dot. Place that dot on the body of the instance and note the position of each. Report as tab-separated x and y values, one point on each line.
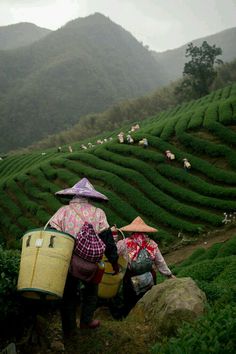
168	304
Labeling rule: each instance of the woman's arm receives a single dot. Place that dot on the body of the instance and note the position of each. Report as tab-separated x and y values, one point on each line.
162	266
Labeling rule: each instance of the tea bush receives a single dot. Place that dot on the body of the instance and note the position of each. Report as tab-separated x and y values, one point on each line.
213	333
157	194
196	183
227	135
135	197
10	307
197	118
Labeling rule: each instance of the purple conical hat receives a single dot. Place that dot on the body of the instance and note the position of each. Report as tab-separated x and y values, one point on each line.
83	188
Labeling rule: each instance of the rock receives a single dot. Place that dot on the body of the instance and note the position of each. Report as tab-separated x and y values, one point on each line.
168	304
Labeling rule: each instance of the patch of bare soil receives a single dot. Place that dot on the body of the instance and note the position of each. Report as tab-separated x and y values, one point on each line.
203	134
217	236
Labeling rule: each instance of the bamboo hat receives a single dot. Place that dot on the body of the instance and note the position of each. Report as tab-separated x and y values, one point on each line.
138	225
83	188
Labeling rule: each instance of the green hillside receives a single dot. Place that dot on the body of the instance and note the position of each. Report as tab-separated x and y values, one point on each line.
138	181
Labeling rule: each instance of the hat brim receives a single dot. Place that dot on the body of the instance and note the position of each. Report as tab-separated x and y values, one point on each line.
138	228
71	192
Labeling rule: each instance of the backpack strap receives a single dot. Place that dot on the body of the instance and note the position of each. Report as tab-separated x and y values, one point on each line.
80	215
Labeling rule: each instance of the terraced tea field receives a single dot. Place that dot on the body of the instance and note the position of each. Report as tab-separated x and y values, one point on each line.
138	181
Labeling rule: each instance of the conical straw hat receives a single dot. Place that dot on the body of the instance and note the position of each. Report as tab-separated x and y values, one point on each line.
83	188
138	225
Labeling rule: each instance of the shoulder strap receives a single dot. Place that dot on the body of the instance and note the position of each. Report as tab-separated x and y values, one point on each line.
140	246
80	215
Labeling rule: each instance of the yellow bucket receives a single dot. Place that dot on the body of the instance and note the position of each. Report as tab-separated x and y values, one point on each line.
45	259
110	283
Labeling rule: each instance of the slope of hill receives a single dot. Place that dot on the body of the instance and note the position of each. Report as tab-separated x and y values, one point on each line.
83	67
181	204
172	61
20	35
128	111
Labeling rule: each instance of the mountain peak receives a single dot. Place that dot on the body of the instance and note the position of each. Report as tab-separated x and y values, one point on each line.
93	19
20	34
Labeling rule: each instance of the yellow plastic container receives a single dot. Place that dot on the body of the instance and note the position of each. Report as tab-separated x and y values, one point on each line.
110	283
45	259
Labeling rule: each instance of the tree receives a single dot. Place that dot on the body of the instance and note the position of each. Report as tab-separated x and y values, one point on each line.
199	72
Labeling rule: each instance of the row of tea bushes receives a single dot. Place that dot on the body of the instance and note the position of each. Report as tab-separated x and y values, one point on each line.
156	194
196	183
130	194
179	192
198	164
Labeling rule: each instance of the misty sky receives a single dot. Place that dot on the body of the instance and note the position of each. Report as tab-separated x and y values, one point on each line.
161	24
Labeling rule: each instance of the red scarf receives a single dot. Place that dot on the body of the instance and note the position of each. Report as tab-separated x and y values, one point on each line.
139	241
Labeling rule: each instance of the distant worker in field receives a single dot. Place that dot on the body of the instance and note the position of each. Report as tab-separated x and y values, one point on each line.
59	149
90	145
169	156
79	214
70	148
129	139
144	260
143	142
187	165
135	127
121	137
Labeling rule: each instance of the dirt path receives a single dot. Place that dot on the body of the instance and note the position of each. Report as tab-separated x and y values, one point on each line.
185	251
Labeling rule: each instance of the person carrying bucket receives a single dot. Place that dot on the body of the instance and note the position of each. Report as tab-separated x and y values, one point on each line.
144	259
71	219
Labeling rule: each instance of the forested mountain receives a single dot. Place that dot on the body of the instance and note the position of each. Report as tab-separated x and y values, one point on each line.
20	34
172	61
83	67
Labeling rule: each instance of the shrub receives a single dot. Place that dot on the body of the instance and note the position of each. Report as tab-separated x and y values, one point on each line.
194	257
213	333
228	249
10	308
206	270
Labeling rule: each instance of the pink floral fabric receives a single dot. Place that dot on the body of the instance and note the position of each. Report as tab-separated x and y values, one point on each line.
66	219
